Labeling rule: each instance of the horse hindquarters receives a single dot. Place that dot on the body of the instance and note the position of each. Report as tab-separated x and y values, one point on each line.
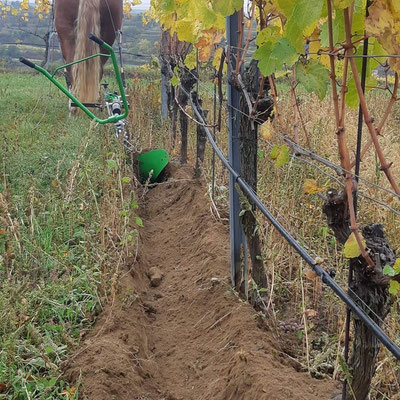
74	20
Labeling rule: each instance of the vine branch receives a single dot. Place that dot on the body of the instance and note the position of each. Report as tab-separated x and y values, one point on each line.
385	166
340	127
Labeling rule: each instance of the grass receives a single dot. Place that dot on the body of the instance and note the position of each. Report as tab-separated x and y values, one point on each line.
318	341
65	210
67	221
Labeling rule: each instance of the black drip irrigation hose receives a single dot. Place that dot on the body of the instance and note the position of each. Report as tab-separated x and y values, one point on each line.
325	277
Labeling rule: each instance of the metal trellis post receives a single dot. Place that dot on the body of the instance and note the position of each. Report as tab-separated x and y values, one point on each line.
234	153
164	96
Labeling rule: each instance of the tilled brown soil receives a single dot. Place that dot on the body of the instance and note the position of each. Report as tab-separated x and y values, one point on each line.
189	338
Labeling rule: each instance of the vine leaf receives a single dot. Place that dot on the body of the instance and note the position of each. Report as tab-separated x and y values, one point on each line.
217	59
139	221
175	81
186	30
266	130
227	7
270	34
396	266
389	271
310	186
342	3
384	23
280	154
273	55
314	77
351	248
303	21
394	287
337	28
206	42
191	60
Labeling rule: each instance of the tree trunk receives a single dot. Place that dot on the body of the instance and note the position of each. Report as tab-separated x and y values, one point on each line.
372	288
188	79
174	115
164	95
201	136
183	121
249	154
369	287
172	52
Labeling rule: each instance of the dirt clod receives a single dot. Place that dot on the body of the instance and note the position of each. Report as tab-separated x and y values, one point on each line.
155	275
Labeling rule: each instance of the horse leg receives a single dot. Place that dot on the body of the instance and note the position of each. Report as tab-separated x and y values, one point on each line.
65	14
68	51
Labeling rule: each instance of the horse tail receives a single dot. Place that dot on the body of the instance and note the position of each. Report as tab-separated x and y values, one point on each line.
86	75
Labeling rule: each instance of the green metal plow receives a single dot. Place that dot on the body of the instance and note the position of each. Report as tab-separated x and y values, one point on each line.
151	163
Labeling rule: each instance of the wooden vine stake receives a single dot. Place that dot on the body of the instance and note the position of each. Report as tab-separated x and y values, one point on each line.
369	285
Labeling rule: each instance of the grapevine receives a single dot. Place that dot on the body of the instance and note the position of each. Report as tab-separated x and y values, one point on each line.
321	44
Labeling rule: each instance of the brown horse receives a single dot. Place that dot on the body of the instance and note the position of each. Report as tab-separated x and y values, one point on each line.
74	20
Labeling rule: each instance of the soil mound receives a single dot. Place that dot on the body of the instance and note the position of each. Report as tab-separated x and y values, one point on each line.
185	336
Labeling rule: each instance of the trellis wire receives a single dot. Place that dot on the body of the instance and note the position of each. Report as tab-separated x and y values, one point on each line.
358	177
318	158
326	278
347	287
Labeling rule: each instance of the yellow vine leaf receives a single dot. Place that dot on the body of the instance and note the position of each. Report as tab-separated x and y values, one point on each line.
351	248
394	287
186	30
310	274
384	23
206	42
310	186
285	6
217	58
128	5
315	43
342	3
266	130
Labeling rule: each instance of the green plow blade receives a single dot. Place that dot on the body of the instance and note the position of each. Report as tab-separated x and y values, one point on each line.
152	162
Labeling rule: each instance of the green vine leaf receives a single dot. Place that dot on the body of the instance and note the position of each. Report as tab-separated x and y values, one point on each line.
394	287
191	60
280	154
389	271
273	55
175	81
227	7
314	77
302	21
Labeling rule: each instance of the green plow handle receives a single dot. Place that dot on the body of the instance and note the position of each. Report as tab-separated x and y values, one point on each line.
51	78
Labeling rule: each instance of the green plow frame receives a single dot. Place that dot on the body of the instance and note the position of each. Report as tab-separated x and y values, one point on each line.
51	78
150	164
